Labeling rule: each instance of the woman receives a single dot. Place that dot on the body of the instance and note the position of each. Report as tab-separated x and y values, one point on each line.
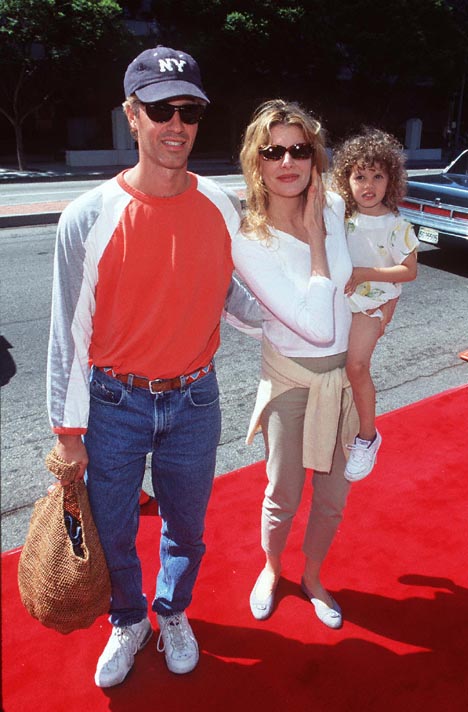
292	254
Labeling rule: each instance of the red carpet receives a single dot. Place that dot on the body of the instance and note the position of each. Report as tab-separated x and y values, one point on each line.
398	568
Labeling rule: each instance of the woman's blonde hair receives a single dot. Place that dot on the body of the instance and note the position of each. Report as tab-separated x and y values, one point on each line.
257	134
368	148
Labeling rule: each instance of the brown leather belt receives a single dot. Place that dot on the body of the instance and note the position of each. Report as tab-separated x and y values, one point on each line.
158	385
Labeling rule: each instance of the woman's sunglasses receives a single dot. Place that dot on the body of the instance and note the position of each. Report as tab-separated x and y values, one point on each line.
298	151
161	112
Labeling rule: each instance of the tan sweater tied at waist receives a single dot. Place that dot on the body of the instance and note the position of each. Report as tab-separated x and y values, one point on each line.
330	396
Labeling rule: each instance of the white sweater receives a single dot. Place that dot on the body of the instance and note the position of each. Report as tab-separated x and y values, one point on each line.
303	315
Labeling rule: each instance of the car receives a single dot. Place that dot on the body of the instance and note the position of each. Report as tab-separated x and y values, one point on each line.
437	204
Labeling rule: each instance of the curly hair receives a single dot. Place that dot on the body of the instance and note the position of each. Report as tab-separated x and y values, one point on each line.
258	133
367	149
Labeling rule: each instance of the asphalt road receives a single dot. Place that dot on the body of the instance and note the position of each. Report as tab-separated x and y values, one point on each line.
21	193
418	357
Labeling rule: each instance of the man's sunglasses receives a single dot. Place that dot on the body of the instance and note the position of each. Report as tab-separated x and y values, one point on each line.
298	151
161	112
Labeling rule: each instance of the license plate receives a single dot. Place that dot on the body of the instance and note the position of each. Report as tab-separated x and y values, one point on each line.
427	234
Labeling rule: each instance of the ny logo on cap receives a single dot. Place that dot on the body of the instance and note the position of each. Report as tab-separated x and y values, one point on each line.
166	65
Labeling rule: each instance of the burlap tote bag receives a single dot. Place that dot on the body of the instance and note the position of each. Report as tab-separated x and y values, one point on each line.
63	583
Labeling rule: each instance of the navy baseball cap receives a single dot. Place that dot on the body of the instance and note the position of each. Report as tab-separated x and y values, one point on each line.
163	73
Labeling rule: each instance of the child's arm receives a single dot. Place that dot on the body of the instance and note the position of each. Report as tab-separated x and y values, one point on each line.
405	272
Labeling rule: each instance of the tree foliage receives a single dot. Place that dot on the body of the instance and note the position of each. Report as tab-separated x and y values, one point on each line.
336	55
351	61
401	40
254	45
47	47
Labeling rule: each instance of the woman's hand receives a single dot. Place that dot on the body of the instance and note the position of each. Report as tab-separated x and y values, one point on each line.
313	211
357	278
314	226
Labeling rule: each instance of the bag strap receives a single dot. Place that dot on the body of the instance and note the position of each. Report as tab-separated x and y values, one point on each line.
65	472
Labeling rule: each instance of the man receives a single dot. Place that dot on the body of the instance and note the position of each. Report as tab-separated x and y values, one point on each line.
142	269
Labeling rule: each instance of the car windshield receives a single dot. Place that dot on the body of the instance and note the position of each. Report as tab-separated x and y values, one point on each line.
460	166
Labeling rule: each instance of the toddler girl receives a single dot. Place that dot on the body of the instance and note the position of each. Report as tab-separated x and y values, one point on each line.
369	174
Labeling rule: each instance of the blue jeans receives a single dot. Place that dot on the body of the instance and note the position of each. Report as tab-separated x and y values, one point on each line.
181	430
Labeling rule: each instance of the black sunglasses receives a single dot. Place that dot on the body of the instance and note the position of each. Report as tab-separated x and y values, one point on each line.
161	112
298	151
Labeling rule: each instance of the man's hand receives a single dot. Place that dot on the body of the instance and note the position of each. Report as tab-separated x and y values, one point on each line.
71	449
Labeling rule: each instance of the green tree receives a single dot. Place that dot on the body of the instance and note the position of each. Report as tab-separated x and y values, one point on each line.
344	58
401	42
253	50
402	58
43	44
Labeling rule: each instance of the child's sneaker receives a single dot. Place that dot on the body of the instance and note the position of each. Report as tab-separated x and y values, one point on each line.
362	458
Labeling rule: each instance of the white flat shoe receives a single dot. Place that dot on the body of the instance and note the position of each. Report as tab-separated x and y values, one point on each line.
329	616
261	608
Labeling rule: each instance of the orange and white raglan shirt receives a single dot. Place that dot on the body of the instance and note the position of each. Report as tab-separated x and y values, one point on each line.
139	286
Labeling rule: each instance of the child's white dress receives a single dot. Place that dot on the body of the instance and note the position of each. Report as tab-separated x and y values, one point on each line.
382	241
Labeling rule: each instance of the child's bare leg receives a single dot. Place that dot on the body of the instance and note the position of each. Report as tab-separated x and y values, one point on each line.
365	332
388	310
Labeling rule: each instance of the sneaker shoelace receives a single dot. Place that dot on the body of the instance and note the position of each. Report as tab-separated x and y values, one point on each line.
178	633
359	451
125	642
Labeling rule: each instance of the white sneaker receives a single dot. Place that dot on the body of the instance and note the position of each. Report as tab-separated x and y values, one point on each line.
118	656
362	458
178	642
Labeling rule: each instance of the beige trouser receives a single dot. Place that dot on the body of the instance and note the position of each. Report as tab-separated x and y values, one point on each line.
282	425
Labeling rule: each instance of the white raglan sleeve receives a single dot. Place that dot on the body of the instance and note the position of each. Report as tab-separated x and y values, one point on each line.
73	305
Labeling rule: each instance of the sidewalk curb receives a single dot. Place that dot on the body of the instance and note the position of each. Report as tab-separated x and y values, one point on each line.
51	217
60	174
56	173
29	219
7	178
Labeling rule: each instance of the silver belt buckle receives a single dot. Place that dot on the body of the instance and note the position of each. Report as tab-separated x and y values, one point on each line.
150	384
